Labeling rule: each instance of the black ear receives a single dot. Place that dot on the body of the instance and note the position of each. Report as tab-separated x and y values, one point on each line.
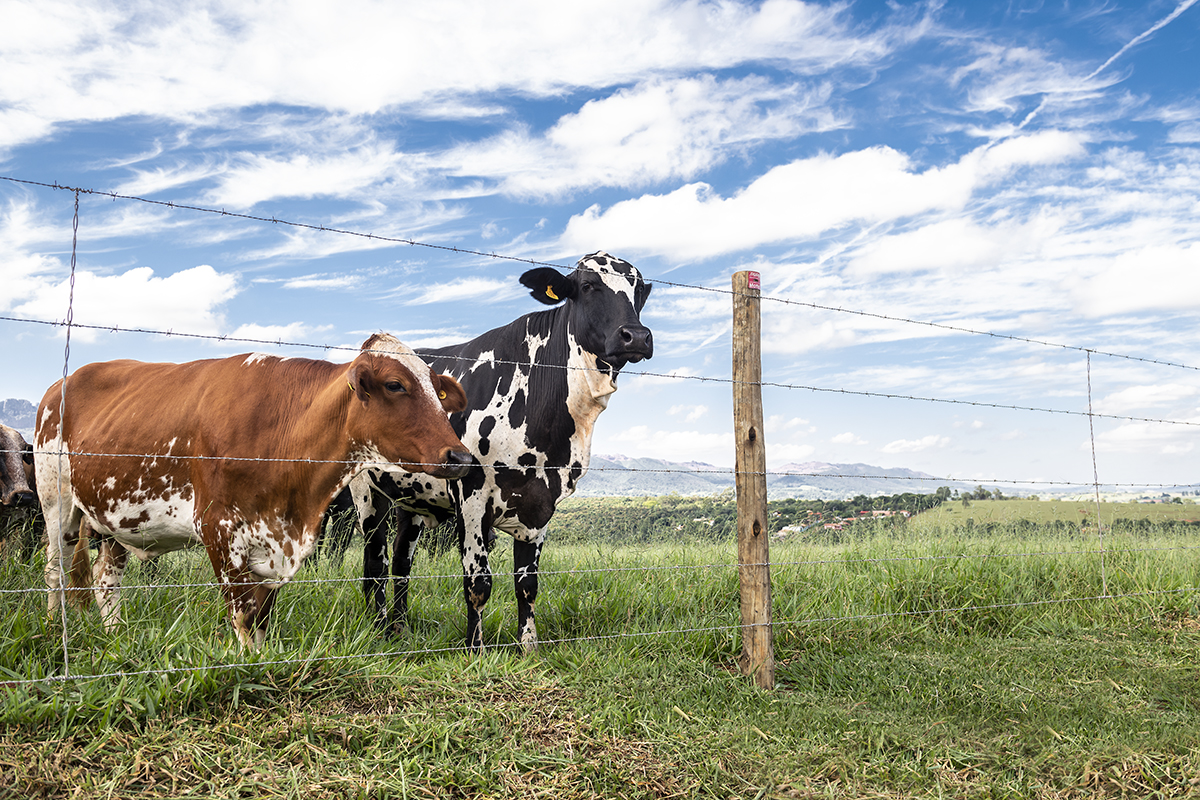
642	294
548	285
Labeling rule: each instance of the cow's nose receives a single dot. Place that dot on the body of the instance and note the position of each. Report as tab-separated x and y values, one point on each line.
456	465
635	337
23	499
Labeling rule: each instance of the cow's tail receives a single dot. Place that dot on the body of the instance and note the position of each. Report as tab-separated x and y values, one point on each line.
79	593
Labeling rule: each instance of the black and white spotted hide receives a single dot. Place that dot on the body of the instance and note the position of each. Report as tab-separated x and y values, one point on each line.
535	388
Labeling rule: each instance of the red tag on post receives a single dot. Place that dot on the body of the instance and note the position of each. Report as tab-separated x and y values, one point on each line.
752	280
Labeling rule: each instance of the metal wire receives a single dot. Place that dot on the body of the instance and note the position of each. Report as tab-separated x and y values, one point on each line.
534	262
648	374
396	653
62	439
845	560
66	676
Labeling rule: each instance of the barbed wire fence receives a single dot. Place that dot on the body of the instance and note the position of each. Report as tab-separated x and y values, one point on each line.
1094	484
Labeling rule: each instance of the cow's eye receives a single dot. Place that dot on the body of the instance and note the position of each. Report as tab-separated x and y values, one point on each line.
394	386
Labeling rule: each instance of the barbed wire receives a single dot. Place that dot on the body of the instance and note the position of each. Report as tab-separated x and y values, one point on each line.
846	560
648	374
729	627
387	466
534	262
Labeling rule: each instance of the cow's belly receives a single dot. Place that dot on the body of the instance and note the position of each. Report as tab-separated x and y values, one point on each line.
148	528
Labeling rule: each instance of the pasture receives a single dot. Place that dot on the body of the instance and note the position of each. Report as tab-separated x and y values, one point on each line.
910	665
953	514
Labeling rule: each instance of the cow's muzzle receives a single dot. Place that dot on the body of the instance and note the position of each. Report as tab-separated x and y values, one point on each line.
22	499
630	344
455	464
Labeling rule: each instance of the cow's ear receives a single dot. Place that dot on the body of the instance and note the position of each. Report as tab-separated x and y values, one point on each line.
449	392
548	285
361	381
27	453
642	295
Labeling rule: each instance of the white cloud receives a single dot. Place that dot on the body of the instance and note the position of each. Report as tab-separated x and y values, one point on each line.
1138	399
959	245
642	441
848	438
690	413
188	300
915	445
459	289
1131	438
800	200
81	61
262	177
323	282
657	130
658	380
787	453
293	332
1151	277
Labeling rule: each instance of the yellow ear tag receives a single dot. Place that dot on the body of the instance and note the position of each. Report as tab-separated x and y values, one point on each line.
550	293
351	385
441	395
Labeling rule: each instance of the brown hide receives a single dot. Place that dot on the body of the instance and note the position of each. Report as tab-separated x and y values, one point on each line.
241	454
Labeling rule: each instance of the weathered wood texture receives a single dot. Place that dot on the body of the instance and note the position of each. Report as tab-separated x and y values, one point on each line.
754	556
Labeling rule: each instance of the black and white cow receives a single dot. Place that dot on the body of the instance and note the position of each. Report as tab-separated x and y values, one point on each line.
534	390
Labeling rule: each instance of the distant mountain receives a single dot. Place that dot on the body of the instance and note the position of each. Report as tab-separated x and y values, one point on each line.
621	476
19	414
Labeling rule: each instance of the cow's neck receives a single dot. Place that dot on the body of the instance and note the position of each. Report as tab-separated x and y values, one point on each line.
322	438
589	386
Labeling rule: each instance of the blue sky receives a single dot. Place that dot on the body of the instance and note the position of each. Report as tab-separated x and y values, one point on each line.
1025	168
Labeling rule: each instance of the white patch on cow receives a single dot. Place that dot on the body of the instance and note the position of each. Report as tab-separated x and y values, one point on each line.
485	358
261	548
149	524
618	282
52	473
391	347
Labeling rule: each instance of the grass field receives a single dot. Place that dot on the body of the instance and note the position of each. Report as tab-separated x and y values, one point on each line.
960	664
954	514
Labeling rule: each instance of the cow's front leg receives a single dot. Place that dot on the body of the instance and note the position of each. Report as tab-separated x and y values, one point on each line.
375	563
404	553
63	519
477	580
106	577
250	603
525	577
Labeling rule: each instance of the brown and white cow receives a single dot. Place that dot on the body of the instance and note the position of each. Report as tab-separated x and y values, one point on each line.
241	455
16	470
20	517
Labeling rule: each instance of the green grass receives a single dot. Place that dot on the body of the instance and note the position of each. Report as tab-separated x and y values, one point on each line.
953	513
912	662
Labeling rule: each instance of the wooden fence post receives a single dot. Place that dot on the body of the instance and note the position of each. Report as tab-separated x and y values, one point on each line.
754	554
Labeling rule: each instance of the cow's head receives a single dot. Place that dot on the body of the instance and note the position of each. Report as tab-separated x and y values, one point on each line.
402	407
605	296
16	469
